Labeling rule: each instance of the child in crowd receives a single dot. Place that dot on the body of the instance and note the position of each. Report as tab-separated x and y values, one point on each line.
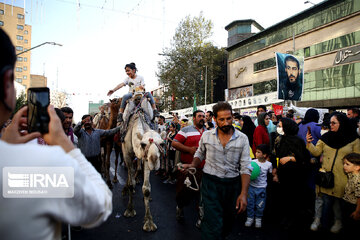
351	203
170	158
257	188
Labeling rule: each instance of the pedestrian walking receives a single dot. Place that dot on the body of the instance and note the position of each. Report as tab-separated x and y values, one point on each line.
227	158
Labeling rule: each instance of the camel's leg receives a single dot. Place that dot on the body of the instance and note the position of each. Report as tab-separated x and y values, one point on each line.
107	163
130	211
117	151
138	170
149	225
119	145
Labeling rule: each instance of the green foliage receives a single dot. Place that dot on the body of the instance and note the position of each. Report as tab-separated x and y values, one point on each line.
20	102
183	69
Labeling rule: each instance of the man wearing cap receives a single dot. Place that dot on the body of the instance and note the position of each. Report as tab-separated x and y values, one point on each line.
187	142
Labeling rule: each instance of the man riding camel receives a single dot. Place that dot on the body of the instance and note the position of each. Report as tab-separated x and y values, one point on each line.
134	81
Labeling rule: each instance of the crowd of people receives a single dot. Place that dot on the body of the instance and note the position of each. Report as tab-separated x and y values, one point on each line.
301	174
290	154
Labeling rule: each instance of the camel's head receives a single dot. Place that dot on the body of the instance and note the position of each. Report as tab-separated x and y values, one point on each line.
153	147
115	105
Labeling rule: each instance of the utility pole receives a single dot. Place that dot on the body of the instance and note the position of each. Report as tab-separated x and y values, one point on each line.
205	84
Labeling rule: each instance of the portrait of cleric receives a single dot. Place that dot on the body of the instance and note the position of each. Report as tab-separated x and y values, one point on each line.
290	76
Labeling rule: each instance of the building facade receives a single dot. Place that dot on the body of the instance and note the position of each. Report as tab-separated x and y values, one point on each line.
327	35
12	21
38	80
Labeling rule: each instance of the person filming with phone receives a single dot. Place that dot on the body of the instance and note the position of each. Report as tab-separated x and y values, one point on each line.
40	217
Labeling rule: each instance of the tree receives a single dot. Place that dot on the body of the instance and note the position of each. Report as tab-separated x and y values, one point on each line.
58	99
20	102
182	71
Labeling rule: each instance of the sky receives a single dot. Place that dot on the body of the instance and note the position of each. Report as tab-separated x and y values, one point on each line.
99	37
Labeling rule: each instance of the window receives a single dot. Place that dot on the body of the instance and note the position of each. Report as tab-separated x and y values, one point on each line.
268	63
26	32
18	37
25	41
265	87
20	59
20	16
1	23
25	68
20	27
19	48
19	80
1	12
19	69
24	77
307	52
25	59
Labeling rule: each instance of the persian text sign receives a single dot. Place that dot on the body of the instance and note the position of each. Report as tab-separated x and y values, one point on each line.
347	55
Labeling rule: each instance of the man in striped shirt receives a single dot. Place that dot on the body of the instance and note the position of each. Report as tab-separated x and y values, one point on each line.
227	157
187	141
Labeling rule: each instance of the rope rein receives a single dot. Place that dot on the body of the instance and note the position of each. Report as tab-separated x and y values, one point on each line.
187	181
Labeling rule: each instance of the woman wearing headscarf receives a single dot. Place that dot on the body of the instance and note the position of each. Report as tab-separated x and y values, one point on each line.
334	145
248	128
292	161
310	123
261	134
310	120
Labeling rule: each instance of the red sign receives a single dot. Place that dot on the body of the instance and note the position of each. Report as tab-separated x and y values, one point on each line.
278	109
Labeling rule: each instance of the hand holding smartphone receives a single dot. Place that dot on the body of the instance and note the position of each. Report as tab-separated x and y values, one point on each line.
38	117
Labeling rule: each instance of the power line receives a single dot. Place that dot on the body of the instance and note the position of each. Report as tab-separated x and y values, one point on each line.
137	5
115	10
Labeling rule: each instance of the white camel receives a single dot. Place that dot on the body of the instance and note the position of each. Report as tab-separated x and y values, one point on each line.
146	145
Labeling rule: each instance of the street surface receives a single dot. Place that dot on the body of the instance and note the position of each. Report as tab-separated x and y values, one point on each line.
163	211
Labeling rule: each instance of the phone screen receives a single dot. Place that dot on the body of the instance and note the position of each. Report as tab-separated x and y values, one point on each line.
38	102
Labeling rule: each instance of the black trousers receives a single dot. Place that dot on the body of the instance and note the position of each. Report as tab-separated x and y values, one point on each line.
96	162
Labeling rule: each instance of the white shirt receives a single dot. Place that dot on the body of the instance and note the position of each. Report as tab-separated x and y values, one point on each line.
261	180
138	81
40	218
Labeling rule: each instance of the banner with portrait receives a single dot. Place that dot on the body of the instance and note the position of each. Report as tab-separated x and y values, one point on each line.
240	92
290	76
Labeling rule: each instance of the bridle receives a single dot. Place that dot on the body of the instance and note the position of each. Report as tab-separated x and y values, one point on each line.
161	149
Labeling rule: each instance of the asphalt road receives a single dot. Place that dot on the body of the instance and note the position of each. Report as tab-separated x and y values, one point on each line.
163	211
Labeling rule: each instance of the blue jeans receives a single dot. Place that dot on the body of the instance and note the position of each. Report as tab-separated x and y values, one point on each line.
256	202
129	95
331	205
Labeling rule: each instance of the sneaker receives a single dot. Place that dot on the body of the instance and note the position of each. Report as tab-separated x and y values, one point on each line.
249	222
336	227
198	223
179	213
315	225
120	117
258	222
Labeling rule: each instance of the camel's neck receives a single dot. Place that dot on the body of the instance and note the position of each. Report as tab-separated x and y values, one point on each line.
113	118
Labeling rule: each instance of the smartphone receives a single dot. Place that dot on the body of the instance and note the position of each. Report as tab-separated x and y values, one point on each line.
309	130
38	100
